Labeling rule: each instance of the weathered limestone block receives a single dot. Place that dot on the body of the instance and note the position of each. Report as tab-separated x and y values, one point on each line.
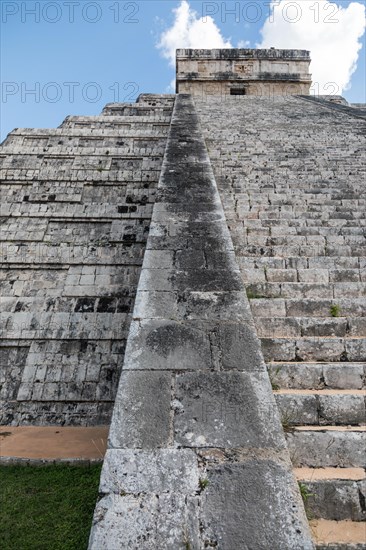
229	516
298	409
142	471
345	376
225	410
146	521
317	409
192	345
337	499
345	409
327	448
141	415
317	375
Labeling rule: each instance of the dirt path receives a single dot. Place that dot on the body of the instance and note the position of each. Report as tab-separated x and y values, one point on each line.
35	442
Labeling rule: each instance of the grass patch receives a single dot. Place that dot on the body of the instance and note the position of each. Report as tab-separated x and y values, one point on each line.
203	483
287	420
304	492
305	495
272	378
47	507
251	295
335	310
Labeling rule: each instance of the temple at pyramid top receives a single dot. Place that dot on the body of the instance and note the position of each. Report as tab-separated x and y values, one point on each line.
265	72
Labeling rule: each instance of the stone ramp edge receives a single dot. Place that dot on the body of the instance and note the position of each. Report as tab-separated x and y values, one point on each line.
345	109
196	453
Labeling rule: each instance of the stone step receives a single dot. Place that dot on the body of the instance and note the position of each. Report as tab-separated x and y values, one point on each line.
338	535
321	407
286	201
317	241
322	213
327	446
281	307
134	109
302	201
293	275
107	125
105	148
286	207
340	228
73	146
82	136
287	249
290	226
321	474
299	375
280	193
334	499
282	327
137	127
314	349
304	262
248	235
297	223
271	207
90	210
323	291
335	228
22	175
310	193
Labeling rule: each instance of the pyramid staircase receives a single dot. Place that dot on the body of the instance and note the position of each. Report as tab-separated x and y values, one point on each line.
291	175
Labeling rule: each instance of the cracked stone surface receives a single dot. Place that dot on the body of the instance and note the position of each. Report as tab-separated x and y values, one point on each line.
226	410
229	513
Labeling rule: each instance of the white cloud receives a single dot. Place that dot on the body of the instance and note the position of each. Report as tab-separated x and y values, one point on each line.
243	44
332	34
190	31
170	89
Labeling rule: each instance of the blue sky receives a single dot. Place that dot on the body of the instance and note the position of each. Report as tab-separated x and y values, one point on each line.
78	55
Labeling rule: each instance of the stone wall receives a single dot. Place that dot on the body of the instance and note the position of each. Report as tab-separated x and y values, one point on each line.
76	204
